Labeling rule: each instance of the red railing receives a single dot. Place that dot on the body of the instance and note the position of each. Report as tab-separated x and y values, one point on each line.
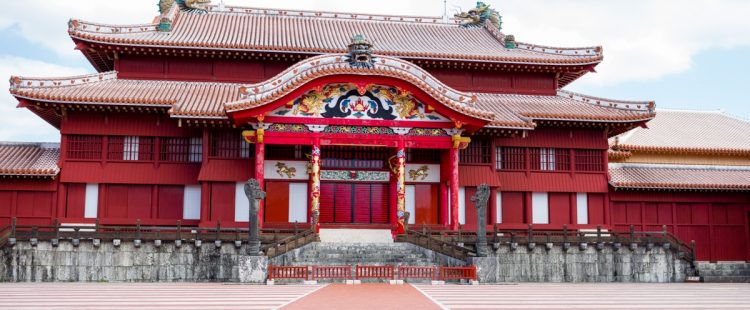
458	273
287	272
331	272
374	272
411	272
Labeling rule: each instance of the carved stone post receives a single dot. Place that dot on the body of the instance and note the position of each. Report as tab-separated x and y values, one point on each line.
480	199
254	195
315	187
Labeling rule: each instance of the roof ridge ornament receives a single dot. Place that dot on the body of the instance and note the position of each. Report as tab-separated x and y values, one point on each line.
360	52
167	14
479	16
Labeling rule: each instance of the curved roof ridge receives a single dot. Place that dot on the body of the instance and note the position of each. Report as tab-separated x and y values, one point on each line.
245	10
45	145
20	82
645	106
331	64
77	25
678	166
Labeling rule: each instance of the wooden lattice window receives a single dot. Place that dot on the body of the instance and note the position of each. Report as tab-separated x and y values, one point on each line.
510	158
354	157
478	152
182	149
230	144
589	160
130	148
85	147
550	159
422	156
287	152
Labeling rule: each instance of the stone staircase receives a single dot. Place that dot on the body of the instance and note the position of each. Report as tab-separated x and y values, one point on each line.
376	254
724	272
339	247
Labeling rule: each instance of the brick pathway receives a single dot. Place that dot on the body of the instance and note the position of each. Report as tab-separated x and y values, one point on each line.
211	296
162	296
364	297
592	296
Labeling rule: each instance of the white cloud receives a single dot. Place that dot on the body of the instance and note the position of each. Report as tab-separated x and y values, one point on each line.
22	124
45	22
642	40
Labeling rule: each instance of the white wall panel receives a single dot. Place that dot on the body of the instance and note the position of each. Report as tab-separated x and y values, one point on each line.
462	205
91	204
297	202
411	203
191	202
582	208
540	208
241	204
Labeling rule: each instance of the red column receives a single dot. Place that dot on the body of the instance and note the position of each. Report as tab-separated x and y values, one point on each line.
454	188
260	153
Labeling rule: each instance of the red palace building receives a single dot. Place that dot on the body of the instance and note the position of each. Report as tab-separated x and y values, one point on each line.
361	120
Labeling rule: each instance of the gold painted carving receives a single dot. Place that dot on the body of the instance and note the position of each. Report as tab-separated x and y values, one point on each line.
421	173
282	169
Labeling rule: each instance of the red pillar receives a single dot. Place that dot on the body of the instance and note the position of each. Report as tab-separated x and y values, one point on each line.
260	153
454	188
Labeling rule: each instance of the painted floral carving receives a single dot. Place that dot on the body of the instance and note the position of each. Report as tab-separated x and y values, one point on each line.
359	102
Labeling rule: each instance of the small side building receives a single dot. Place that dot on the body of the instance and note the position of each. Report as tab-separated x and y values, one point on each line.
690	171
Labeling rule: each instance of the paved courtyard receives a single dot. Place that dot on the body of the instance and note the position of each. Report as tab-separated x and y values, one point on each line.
188	296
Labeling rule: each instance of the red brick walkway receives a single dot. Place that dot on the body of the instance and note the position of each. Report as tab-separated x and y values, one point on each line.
365	297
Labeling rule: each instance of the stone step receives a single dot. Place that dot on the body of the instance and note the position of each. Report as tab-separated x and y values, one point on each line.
377	236
347	253
726	279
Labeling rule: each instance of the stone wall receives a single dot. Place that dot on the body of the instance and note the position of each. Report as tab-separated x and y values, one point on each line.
127	263
575	265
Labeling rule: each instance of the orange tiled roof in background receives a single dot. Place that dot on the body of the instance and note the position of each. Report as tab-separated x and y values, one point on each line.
681	177
29	159
697	132
310	32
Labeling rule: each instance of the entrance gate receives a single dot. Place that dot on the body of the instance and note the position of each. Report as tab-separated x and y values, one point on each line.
359	203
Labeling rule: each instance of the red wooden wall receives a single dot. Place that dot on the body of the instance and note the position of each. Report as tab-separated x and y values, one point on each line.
426	204
277	202
497	82
151	204
198	69
718	222
253	71
221	201
31	201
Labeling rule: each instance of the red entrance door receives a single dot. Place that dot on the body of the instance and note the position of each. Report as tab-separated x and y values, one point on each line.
362	203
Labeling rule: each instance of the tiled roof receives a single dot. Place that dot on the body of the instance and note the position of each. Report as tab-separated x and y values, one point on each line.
254	29
682	177
706	132
208	99
566	106
29	159
195	99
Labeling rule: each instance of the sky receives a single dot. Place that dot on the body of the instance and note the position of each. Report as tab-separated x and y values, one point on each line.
683	54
